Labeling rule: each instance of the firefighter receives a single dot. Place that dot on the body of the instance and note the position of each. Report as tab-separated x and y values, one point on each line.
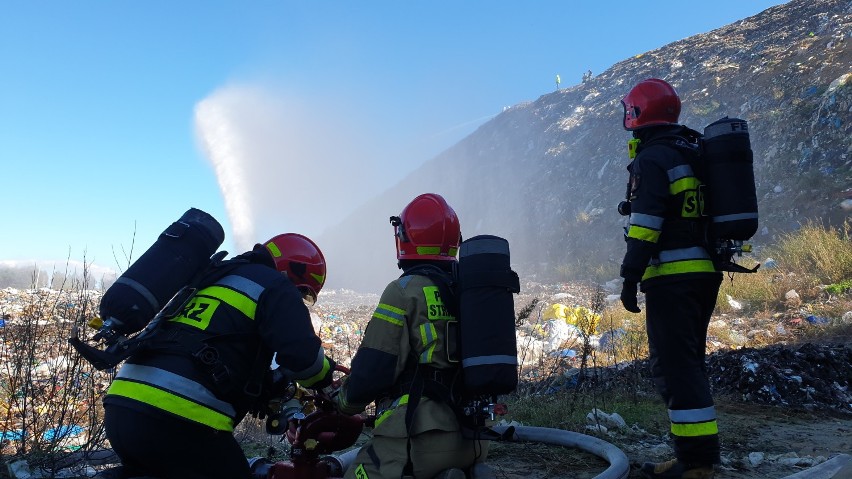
666	254
402	362
172	408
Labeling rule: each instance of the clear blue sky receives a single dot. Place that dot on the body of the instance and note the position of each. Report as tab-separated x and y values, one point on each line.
114	113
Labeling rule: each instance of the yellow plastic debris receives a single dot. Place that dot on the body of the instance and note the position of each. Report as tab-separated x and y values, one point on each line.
580	316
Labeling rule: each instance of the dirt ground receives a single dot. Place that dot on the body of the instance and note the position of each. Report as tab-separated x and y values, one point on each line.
780	442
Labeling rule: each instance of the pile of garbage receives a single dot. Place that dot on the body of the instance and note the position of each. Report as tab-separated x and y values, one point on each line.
808	376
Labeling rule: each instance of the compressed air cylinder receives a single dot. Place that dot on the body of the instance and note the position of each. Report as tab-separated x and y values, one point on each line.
731	197
489	350
181	251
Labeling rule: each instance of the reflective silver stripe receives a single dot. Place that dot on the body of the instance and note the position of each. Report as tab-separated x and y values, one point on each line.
311	370
678	172
486	245
726	128
177	384
735	217
694	252
648	221
495	359
243	285
692	415
142	290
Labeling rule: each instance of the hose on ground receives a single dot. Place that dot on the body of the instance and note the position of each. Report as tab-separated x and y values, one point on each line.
619	466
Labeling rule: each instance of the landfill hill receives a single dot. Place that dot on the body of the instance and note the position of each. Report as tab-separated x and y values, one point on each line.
548	174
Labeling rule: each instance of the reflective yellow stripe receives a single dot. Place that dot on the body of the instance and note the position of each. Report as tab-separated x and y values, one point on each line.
387	318
389	313
679	267
644	234
273	249
403	400
708	428
430	250
169	402
238	300
318	376
429	337
684	184
384	415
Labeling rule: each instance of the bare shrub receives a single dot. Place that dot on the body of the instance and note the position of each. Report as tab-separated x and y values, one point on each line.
50	398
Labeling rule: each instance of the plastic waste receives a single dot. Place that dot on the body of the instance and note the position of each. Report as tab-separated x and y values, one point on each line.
734	303
565	353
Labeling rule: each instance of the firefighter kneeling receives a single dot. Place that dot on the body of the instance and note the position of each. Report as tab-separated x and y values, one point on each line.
202	370
417	434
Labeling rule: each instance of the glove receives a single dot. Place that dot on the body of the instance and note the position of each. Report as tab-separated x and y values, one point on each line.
276	385
629	290
259	410
340	404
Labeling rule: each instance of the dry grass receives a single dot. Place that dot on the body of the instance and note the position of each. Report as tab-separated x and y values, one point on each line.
815	261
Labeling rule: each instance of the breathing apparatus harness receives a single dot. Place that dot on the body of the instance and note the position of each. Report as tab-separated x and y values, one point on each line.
118	347
722	250
446	385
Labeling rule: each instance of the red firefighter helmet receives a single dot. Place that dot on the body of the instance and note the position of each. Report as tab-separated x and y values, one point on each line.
301	260
650	102
427	228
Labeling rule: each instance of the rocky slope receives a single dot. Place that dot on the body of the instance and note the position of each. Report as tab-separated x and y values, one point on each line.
547	174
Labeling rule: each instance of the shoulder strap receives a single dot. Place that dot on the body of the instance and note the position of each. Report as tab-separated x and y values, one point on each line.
677	142
202	350
214	271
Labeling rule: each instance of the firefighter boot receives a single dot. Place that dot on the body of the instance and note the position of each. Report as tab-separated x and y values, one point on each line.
676	470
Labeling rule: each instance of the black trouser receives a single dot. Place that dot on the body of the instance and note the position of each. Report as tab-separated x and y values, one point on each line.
678	314
168	447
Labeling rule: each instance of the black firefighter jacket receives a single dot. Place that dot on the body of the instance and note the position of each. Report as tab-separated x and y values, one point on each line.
665	236
246	316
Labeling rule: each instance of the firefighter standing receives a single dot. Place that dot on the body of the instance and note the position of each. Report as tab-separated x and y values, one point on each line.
402	362
172	408
666	254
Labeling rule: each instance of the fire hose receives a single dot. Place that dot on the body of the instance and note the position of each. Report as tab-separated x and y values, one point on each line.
619	466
